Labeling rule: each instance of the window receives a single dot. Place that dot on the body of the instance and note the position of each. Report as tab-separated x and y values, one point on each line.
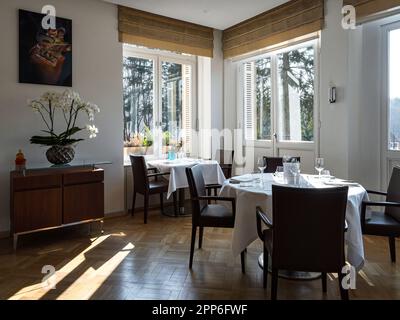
138	84
280	84
158	101
394	90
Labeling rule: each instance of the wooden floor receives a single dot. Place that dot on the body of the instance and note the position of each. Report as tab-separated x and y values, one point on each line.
135	261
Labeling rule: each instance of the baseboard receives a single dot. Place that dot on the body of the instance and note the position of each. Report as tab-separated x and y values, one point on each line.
154	207
114	214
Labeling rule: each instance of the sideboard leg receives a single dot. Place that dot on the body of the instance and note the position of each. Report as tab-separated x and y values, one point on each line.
90	228
15	241
101	226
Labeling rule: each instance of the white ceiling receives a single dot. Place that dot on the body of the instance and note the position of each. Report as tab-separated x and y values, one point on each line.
218	14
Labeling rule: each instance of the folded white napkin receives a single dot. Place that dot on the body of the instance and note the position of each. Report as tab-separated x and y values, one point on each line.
339	182
245	178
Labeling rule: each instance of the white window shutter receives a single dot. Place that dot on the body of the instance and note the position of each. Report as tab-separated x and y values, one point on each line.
187	107
249	101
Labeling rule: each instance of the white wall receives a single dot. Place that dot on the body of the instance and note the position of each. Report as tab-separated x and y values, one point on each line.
334	132
97	70
217	89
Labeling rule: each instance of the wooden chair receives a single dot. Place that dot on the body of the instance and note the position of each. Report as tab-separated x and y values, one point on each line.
143	185
225	159
307	233
205	214
274	162
386	223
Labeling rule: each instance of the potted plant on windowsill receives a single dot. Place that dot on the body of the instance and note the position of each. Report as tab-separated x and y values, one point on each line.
147	141
70	105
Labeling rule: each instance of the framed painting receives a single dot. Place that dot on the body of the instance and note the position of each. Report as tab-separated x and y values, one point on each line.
45	55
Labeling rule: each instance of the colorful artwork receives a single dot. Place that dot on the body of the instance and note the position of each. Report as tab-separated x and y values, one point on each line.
45	56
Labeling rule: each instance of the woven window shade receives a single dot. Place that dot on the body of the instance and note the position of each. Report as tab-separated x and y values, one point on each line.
155	31
366	8
291	20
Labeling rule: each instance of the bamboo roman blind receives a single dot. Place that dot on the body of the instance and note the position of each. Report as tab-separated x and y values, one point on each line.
288	21
155	31
365	8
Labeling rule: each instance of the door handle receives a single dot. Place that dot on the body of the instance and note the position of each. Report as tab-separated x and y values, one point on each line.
275	136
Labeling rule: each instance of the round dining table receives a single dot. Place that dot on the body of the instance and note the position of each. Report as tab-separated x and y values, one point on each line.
212	174
255	190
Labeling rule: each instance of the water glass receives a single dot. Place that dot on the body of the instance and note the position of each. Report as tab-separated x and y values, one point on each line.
279	172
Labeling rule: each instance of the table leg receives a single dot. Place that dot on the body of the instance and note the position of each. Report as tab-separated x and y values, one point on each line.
182	201
15	241
182	210
291	275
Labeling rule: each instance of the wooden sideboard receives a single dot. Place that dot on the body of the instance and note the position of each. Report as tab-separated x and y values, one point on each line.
56	197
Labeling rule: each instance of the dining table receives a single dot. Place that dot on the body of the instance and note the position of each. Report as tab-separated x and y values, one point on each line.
255	190
212	174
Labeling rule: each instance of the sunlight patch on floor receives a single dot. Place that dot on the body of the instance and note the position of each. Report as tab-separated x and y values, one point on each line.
60	274
90	287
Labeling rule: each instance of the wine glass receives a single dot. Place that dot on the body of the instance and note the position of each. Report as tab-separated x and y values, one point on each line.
319	165
261	165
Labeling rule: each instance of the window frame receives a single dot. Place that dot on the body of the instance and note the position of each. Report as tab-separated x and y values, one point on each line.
158	57
273	55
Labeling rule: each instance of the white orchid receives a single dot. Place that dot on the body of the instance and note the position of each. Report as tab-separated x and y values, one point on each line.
35	105
71	105
93	131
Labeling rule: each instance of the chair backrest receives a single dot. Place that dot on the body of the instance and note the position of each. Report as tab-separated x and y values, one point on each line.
225	156
308	228
139	171
197	188
225	159
393	194
274	162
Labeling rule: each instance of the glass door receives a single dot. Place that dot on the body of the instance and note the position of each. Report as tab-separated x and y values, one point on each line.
280	102
391	110
295	101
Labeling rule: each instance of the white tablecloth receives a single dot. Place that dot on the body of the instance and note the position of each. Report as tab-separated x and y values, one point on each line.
248	198
212	172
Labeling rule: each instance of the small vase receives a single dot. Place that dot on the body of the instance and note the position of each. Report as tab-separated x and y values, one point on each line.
60	154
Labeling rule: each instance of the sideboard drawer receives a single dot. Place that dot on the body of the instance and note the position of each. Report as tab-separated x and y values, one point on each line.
83	177
35	182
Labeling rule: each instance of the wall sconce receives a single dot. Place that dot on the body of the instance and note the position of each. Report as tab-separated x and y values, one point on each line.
332	94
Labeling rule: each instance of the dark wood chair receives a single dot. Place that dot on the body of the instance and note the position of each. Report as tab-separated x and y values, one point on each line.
387	222
143	185
275	162
205	214
225	159
307	233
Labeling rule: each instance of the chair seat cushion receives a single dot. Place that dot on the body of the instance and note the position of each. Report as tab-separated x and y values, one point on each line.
158	186
381	224
215	215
